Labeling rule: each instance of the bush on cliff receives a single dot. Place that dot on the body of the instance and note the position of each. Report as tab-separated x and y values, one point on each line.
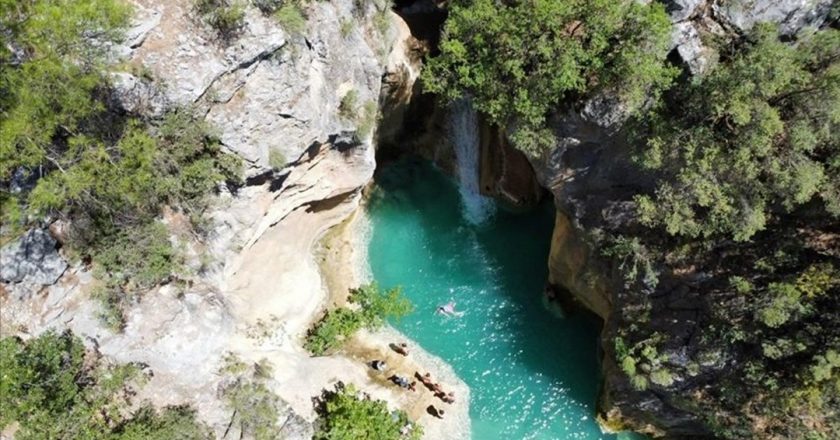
65	154
518	61
742	222
53	388
347	414
370	309
760	134
226	17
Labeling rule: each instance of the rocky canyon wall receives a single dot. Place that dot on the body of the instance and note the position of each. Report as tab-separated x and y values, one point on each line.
274	97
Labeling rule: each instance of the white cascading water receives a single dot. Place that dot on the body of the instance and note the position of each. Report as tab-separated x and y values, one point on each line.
463	130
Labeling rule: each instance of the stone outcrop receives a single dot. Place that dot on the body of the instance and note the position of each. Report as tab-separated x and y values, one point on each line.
504	171
267	91
791	15
255	285
31	259
696	21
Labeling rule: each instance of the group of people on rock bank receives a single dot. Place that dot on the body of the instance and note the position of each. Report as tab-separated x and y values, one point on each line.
425	379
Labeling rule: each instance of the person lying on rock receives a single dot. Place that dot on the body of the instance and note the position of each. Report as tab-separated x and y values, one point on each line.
401	348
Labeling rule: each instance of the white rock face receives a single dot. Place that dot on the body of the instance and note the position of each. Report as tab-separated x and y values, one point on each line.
791	15
264	91
694	54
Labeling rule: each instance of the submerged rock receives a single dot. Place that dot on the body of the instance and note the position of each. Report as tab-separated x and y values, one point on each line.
32	258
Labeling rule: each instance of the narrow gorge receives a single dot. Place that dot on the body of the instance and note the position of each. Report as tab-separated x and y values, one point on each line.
584	220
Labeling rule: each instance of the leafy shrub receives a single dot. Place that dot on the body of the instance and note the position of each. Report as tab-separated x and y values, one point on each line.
756	136
372	307
333	330
291	18
54	389
109	175
255	407
276	159
346	27
224	16
267	6
347	107
346	414
367	120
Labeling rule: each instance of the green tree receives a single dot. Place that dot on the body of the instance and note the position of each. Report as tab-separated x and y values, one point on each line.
109	175
518	61
372	308
756	136
346	414
54	388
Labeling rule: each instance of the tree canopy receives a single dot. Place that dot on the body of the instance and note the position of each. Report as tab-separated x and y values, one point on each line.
519	60
347	414
758	135
54	388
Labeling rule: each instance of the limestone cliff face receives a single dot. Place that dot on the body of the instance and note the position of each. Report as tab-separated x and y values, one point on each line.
504	171
592	185
274	98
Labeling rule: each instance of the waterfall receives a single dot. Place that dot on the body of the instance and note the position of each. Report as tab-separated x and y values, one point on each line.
463	131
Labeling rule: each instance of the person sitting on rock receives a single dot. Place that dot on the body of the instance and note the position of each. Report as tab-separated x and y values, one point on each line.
449	397
399	380
378	365
434	411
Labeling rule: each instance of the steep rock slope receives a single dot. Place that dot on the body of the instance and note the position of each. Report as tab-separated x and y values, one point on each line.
593	183
279	101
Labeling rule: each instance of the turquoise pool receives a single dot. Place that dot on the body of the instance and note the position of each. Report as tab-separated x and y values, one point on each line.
532	375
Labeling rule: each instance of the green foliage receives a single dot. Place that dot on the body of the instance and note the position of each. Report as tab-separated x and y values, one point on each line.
49	89
635	260
347	107
276	159
519	60
291	18
382	21
177	422
662	377
376	306
758	135
643	364
346	414
346	27
255	407
333	330
740	284
365	118
224	16
371	309
54	389
108	175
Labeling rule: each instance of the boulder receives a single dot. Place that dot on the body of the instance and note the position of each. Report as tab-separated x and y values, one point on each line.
791	15
32	258
688	44
680	10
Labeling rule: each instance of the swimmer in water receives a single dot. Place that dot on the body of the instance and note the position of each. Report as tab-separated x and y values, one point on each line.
448	309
